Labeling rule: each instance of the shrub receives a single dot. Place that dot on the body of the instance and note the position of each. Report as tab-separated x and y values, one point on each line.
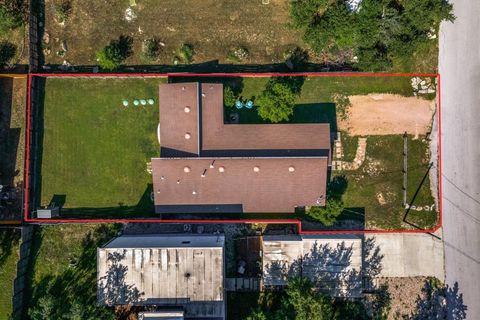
7	52
62	11
115	53
185	53
229	97
276	102
9	19
328	214
237	54
151	48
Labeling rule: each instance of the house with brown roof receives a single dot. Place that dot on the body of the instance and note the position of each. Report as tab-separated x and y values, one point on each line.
209	166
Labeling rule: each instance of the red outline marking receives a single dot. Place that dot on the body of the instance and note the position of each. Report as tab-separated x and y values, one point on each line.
296	222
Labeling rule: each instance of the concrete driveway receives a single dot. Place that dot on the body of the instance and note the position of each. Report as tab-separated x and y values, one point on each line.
410	255
459	67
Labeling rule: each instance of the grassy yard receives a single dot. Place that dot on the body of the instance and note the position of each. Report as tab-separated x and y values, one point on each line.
95	150
9	254
213	28
376	187
65	266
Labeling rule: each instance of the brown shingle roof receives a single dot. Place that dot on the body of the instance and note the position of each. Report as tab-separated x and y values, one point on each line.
219	136
278	185
176	124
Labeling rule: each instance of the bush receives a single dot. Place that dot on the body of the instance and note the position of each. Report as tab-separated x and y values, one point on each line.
151	48
9	18
237	54
7	52
62	11
185	53
229	97
329	214
115	53
276	102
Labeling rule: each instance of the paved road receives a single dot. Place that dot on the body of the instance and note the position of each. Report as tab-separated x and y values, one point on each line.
460	79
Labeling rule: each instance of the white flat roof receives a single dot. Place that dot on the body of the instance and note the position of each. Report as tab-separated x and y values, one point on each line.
333	262
167	269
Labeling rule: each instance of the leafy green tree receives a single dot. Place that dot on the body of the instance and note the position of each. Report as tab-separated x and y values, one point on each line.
7	52
257	314
276	102
327	24
115	53
44	308
229	97
303	302
328	214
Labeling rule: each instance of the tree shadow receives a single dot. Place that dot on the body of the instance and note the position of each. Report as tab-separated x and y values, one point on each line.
440	302
328	267
9	238
75	284
112	288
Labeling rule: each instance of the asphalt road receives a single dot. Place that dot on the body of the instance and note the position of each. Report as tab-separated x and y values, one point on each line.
459	68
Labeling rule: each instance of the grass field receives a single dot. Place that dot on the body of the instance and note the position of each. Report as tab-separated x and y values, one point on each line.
212	27
381	173
9	254
65	266
95	151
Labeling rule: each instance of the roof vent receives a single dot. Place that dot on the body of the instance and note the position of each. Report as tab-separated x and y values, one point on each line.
211	164
204	173
291	169
194	192
186	169
188	136
183	88
221	169
256	169
203	95
186	109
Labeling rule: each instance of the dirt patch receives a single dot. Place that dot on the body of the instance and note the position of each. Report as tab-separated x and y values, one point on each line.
404	293
212	27
383	114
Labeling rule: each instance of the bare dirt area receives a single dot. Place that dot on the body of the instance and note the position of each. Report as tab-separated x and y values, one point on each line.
385	114
213	28
12	142
404	294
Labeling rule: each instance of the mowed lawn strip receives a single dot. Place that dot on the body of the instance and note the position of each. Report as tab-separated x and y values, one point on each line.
95	150
9	255
64	270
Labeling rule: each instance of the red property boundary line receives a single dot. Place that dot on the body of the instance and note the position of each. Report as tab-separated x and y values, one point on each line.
296	222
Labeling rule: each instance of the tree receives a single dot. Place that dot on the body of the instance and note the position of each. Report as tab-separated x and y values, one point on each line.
257	314
115	53
303	302
328	214
7	52
276	102
44	309
327	24
229	98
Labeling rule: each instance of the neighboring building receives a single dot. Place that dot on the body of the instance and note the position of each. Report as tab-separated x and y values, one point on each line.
180	274
207	166
332	262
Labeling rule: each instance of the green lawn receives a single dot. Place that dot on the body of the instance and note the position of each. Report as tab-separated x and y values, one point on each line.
64	269
9	254
381	173
95	151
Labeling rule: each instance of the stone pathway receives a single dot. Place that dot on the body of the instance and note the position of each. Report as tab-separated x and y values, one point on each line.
338	164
